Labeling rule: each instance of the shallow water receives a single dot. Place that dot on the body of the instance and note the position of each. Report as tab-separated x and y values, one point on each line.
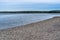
13	20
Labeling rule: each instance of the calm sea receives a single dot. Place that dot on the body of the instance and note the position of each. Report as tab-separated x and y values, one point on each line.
13	20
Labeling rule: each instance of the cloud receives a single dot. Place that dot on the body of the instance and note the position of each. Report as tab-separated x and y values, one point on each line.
29	4
31	1
30	7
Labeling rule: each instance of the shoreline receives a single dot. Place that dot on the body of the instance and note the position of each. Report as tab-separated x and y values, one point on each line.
25	24
44	30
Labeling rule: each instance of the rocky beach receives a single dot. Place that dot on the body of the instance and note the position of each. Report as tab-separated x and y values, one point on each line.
43	30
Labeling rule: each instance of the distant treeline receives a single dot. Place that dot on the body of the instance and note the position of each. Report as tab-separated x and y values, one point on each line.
54	11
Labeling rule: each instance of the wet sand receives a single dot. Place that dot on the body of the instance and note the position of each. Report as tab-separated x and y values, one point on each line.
43	30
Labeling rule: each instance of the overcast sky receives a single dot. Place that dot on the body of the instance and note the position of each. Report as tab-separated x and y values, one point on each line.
29	4
34	1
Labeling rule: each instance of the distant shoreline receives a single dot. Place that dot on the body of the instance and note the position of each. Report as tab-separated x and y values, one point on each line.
53	11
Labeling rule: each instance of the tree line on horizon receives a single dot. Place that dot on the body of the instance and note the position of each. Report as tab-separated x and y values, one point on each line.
54	11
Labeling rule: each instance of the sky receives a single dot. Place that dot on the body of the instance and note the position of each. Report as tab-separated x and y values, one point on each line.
15	5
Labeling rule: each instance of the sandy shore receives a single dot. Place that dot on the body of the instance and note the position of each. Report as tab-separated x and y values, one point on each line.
43	30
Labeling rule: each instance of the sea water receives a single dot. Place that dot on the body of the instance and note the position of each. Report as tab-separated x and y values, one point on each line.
14	20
